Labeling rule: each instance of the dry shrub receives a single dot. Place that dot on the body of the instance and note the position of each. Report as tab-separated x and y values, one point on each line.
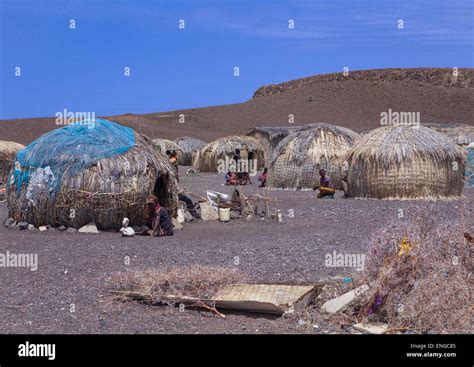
175	284
427	287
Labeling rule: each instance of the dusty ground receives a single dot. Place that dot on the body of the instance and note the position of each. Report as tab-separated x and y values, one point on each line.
73	268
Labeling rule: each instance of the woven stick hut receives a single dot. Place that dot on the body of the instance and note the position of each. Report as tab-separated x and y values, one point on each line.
100	172
8	150
269	137
213	156
296	161
405	162
189	146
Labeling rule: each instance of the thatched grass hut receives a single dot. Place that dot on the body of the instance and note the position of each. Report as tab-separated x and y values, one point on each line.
269	137
82	173
190	146
213	156
405	162
8	150
165	144
462	135
296	161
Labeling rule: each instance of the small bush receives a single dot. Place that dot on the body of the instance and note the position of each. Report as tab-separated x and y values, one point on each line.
420	276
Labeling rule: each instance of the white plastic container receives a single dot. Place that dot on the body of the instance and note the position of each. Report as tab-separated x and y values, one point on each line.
224	214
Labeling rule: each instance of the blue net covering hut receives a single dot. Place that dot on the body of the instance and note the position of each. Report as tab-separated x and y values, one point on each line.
90	171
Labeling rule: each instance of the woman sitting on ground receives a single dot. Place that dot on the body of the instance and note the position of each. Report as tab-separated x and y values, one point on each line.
231	178
157	218
325	188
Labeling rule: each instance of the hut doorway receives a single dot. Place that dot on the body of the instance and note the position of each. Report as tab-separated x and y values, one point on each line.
161	191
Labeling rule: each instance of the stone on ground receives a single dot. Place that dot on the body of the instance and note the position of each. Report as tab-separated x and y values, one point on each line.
376	328
89	228
208	212
337	304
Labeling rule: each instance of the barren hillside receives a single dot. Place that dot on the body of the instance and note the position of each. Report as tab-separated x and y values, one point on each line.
354	101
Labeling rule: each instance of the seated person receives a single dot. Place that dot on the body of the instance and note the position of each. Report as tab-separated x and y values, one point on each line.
325	188
231	178
158	219
263	177
345	187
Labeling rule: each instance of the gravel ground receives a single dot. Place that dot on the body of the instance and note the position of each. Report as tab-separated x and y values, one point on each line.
74	268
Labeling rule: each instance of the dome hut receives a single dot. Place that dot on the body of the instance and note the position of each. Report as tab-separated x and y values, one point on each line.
8	150
296	161
92	171
216	155
405	162
269	137
165	144
462	135
189	146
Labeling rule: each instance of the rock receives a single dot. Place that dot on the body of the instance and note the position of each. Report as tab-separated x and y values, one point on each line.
8	222
376	328
188	217
22	225
89	228
43	228
31	227
61	228
176	224
71	229
208	212
337	304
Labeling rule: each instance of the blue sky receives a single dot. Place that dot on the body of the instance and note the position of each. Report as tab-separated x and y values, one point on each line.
82	69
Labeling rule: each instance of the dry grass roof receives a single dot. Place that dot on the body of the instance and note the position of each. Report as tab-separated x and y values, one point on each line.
313	140
8	149
207	157
405	162
274	131
395	144
297	159
463	135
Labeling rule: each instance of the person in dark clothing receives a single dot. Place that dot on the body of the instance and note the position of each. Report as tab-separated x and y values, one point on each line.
237	157
157	218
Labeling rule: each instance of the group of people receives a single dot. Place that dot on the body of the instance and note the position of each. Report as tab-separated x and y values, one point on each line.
158	218
241	176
